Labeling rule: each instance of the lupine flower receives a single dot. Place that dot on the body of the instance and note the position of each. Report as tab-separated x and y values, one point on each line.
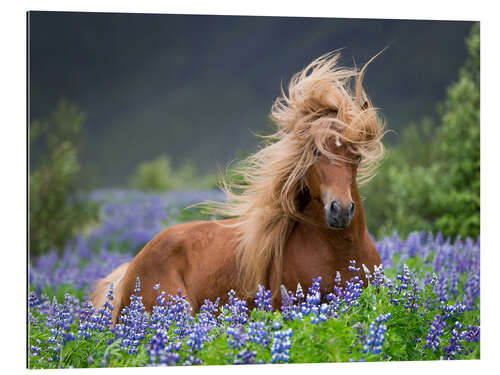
352	292
207	314
413	244
315	320
472	290
200	333
102	319
360	334
435	332
179	312
376	335
104	360
299	293
281	346
33	300
313	298
45	306
454	278
35	350
368	274
245	357
73	305
389	285
403	279
159	316
472	334
237	337
338	279
288	310
378	276
235	311
258	333
33	303
263	300
162	351
324	311
59	321
439	241
455	346
191	360
451	311
133	322
352	266
198	336
429	241
413	296
85	324
334	301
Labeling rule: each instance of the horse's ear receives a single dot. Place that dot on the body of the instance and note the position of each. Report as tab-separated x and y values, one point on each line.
364	106
303	198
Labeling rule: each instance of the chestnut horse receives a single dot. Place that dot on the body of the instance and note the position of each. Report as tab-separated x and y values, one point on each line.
297	215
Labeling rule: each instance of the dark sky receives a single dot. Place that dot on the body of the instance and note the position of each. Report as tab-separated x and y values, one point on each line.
195	87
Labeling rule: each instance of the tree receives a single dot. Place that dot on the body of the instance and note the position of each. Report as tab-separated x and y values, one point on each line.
430	181
460	148
56	210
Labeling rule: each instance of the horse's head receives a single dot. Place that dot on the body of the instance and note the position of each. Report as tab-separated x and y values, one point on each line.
328	112
331	181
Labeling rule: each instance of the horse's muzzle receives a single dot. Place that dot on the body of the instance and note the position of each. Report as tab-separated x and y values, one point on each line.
339	216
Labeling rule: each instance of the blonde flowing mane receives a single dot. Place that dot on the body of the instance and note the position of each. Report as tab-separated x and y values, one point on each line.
323	101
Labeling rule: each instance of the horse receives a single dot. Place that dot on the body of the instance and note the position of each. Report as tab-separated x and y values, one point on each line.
295	215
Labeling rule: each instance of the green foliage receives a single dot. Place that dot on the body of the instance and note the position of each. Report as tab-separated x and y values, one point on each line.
160	175
460	201
398	198
430	180
55	208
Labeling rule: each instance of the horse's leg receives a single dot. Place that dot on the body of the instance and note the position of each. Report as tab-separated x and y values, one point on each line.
274	285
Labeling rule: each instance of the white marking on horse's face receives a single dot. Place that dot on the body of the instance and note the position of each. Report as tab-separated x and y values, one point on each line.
337	141
326	199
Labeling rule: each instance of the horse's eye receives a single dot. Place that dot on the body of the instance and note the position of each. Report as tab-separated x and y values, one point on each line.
358	158
317	153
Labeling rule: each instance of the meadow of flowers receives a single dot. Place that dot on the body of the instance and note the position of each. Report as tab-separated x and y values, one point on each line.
422	303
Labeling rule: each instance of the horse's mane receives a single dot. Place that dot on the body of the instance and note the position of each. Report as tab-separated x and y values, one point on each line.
323	101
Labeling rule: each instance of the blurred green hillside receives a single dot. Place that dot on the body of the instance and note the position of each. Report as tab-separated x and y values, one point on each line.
196	87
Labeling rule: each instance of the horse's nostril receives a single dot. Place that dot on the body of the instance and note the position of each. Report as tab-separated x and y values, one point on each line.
352	207
335	208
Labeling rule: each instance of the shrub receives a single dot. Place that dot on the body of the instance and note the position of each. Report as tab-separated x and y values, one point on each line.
160	175
56	209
